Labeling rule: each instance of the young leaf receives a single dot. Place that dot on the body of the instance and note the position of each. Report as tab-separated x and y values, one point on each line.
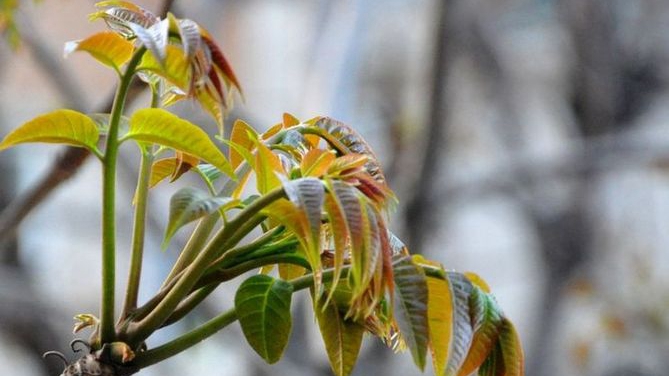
107	47
161	127
154	38
210	172
346	199
120	15
440	316
189	204
242	135
487	321
411	307
263	308
267	166
307	194
342	338
57	127
162	169
174	67
219	60
512	351
316	162
461	288
340	237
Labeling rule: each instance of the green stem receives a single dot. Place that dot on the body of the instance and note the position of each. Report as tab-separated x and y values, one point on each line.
211	280
203	229
211	327
139	227
139	331
107	331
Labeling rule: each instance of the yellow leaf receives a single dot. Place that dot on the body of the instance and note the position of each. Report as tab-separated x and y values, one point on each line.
290	120
161	127
477	281
267	167
175	68
272	131
440	317
161	169
290	271
242	135
57	127
316	162
107	47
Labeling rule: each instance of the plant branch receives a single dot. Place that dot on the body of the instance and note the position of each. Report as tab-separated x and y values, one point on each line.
139	229
210	281
211	327
107	332
139	331
203	229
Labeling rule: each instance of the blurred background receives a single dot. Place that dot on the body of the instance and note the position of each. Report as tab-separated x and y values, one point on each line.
527	140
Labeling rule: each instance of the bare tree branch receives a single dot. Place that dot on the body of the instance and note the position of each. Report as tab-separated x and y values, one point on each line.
418	215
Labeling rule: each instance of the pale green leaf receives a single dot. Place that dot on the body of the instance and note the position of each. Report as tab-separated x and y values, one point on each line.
161	127
411	302
342	338
263	309
107	47
189	204
210	172
57	127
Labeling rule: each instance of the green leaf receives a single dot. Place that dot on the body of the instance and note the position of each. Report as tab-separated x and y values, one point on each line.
411	307
487	321
440	316
342	338
463	332
161	127
57	127
210	172
512	350
107	47
263	308
189	204
506	359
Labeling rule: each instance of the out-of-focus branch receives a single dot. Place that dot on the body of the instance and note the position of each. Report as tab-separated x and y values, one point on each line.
581	157
69	162
418	216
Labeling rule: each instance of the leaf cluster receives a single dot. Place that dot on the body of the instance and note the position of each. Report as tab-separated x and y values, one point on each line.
303	204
